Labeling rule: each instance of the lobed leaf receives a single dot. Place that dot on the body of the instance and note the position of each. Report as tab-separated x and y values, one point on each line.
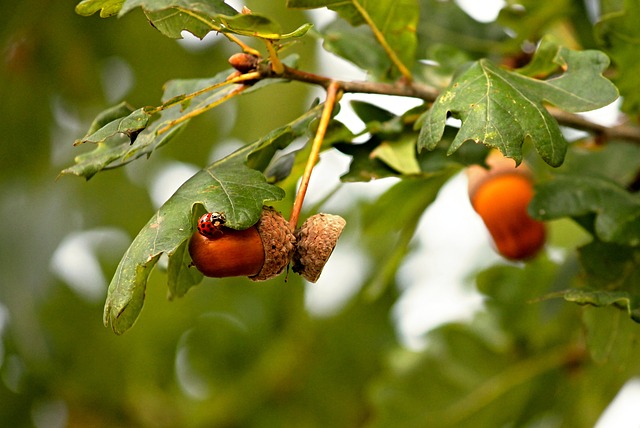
617	212
228	186
113	150
502	109
394	20
171	17
106	8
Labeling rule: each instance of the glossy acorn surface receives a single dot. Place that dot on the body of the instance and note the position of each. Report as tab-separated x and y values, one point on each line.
501	200
229	252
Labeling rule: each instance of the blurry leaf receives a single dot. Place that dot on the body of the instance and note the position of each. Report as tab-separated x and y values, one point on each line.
619	35
511	293
358	46
363	166
612	275
501	108
106	7
390	223
613	341
368	112
463	379
228	186
395	20
445	23
617	211
400	155
616	160
530	20
171	17
439	158
379	121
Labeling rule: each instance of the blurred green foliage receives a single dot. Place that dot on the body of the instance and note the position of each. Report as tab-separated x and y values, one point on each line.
232	353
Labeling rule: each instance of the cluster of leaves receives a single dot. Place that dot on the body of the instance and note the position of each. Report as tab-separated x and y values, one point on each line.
498	107
240	355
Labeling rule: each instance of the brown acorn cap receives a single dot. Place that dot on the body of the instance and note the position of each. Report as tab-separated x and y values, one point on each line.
317	238
278	242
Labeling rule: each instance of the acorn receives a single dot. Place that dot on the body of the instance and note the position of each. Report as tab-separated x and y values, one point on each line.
244	62
316	239
501	195
260	252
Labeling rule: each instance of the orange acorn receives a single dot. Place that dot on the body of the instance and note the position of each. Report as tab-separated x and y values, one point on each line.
260	252
501	196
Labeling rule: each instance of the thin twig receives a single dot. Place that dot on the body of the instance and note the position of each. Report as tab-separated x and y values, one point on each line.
201	110
429	94
332	97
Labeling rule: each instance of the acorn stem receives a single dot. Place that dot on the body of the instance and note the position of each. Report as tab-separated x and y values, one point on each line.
333	95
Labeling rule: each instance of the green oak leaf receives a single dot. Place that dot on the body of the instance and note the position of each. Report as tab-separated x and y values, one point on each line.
399	155
113	151
228	185
363	167
395	20
171	17
358	46
502	108
619	36
106	7
617	211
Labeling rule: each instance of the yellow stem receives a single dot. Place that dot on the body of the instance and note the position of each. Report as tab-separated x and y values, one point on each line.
200	110
276	64
245	48
254	75
332	97
383	42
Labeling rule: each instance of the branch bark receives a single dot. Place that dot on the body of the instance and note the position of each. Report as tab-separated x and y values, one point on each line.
429	94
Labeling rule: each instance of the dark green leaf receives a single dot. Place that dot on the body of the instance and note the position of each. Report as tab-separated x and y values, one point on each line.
616	160
228	186
612	275
113	151
357	45
613	341
396	20
617	211
363	167
112	113
171	17
106	7
130	125
502	109
619	35
444	23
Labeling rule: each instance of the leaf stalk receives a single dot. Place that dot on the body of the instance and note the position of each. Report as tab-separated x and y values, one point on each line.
333	96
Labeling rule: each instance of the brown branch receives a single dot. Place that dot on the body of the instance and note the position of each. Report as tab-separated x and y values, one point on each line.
416	90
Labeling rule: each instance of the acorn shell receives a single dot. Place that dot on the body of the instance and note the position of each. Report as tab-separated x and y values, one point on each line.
501	195
278	241
317	238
